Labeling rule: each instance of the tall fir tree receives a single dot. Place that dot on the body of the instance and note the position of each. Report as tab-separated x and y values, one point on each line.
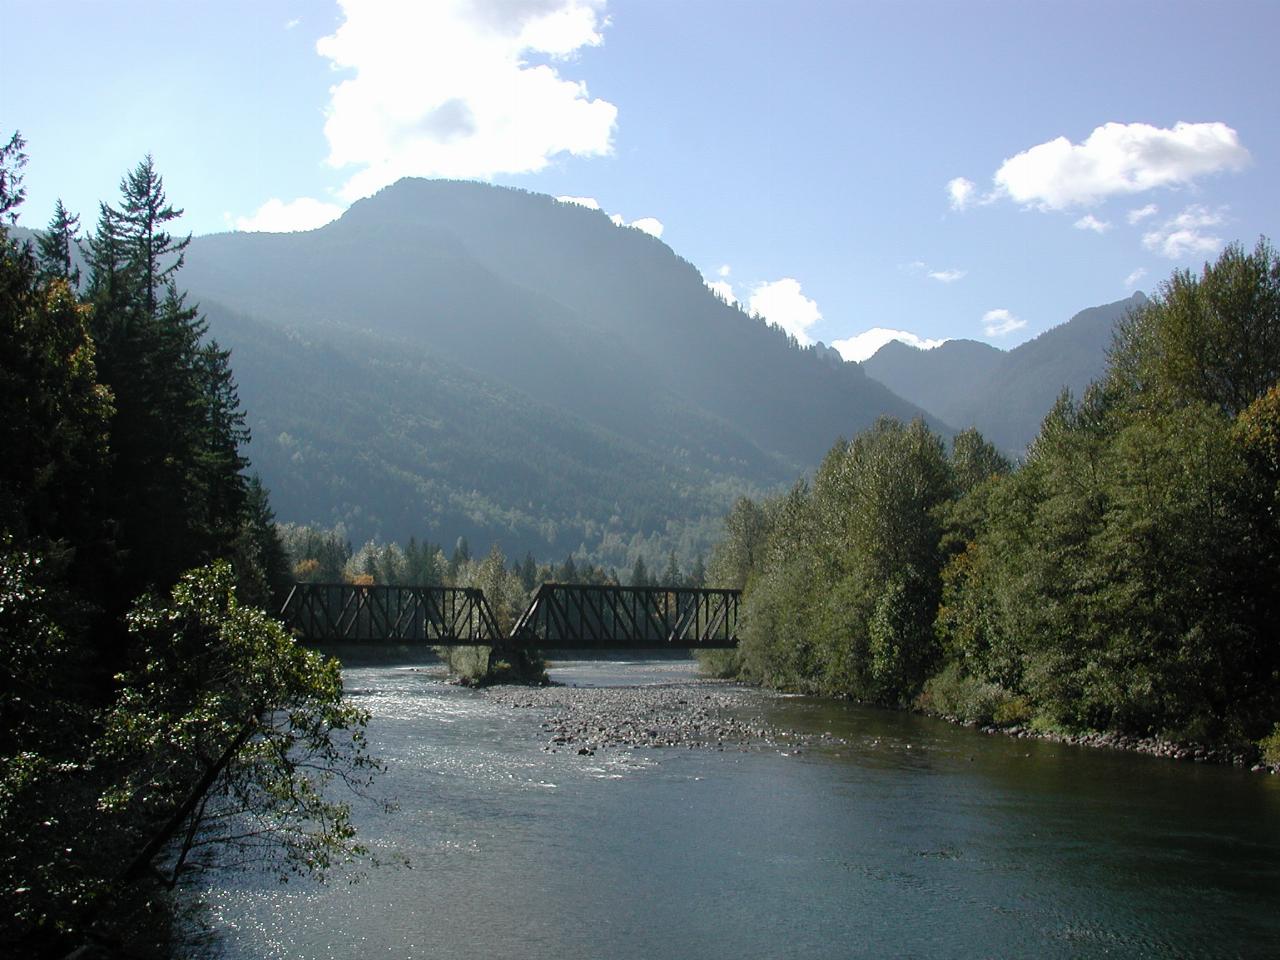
56	247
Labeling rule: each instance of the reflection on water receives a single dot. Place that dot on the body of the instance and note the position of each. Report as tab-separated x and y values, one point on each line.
905	837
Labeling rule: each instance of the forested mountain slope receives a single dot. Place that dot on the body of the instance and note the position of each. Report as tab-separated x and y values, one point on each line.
456	358
1004	394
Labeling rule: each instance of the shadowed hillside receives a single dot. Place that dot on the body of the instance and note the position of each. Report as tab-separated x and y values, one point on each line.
480	360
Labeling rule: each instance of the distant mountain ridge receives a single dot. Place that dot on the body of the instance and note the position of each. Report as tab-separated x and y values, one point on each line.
1005	395
456	358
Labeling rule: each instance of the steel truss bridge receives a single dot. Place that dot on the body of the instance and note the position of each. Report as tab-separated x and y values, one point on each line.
560	616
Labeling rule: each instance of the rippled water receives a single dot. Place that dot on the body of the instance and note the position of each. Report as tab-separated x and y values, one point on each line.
913	838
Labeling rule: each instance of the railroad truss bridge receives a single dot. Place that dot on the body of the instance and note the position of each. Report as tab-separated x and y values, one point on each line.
560	616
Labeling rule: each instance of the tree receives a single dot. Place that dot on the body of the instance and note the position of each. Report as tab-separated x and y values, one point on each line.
175	492
56	247
153	253
13	157
741	550
529	572
1212	338
567	571
639	574
671	573
698	575
224	716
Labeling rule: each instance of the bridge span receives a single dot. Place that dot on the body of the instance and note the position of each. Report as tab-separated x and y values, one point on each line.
560	616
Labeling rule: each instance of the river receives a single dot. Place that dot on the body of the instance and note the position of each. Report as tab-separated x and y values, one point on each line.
897	836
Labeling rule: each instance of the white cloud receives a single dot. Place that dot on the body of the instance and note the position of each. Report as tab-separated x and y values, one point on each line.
864	344
961	192
1134	277
723	289
1184	234
949	275
1000	322
277	216
650	225
454	88
1119	158
1142	213
724	271
782	304
1090	222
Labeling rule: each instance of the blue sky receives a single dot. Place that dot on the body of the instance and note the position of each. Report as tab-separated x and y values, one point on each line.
942	169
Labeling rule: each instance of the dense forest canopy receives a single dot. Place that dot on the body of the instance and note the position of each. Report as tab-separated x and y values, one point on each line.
147	705
1122	578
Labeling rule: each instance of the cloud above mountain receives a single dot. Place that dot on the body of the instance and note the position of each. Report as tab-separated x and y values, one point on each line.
783	304
460	89
863	345
1117	159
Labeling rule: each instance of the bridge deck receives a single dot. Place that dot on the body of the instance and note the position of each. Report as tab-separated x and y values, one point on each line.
560	616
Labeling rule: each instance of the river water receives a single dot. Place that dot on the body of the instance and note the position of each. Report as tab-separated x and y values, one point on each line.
911	838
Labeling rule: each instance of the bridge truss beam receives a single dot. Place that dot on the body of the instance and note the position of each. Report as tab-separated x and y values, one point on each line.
441	616
595	617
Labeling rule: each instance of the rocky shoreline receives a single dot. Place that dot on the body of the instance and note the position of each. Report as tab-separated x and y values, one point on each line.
690	714
707	714
1153	746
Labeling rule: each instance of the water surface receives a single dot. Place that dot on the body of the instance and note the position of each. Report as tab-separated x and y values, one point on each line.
911	838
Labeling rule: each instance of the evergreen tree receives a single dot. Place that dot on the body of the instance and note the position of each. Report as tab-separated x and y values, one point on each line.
529	572
698	575
567	571
56	247
175	491
671	575
639	574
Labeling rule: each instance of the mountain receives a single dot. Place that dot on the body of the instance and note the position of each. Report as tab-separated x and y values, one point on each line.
1004	394
453	358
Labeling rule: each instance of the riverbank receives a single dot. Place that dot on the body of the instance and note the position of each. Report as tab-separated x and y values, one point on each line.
1153	746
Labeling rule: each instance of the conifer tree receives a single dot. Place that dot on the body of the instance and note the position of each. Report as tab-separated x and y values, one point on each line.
639	573
56	245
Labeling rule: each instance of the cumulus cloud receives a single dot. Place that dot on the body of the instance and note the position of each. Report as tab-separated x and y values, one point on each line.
1000	322
1142	213
865	344
724	271
783	304
650	225
277	216
589	202
460	88
1185	234
722	289
1119	158
961	192
1090	222
1134	277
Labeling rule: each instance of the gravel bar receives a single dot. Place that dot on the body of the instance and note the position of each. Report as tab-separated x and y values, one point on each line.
697	714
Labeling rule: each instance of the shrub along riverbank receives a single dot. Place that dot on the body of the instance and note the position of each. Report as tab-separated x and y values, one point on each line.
1122	580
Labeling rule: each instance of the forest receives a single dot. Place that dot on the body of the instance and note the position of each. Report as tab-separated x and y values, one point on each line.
152	716
1122	578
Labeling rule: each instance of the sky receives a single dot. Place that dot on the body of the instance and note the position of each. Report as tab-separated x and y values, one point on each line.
853	171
